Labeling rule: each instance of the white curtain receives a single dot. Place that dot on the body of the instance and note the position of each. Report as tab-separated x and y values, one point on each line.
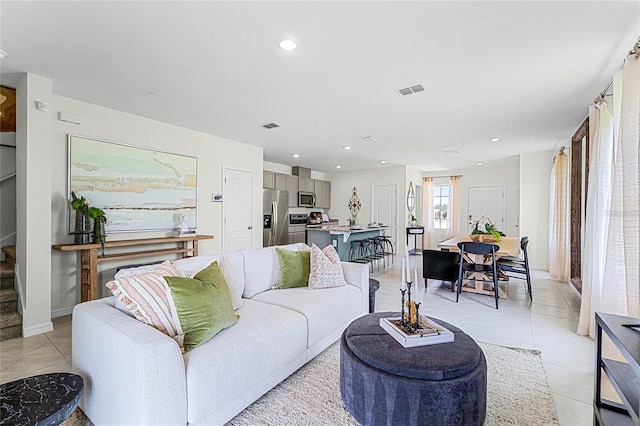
429	237
611	247
453	217
559	229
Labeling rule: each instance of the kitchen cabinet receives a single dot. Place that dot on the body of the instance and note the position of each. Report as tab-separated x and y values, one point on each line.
624	376
289	183
297	234
323	194
306	184
268	179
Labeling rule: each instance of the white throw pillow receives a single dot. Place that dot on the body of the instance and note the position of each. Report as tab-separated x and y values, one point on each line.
326	269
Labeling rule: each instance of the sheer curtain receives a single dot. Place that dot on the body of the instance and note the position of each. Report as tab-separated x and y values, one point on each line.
560	235
453	217
429	237
611	250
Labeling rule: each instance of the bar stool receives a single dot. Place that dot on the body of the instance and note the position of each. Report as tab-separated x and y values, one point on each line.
376	252
387	246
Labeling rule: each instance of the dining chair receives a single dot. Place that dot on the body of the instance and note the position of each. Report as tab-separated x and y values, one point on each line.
440	265
478	269
511	265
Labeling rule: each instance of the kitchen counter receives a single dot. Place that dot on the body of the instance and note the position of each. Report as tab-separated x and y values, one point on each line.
339	236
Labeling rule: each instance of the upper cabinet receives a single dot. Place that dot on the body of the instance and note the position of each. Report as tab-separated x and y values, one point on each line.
293	184
306	184
268	179
289	183
323	194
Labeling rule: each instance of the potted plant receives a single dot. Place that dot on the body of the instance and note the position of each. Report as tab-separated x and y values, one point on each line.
485	230
414	221
99	219
84	214
82	230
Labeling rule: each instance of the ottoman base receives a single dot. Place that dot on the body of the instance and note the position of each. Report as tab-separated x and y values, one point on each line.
377	397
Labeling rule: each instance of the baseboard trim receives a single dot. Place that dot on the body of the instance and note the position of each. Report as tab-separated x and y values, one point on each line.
55	313
37	329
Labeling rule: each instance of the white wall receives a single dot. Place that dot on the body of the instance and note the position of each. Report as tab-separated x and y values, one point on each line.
213	153
504	173
342	184
33	246
535	178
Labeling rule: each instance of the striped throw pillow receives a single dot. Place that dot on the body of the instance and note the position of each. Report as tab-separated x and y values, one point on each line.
148	297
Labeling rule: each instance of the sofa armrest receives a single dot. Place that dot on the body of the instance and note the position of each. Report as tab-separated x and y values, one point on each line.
357	275
128	368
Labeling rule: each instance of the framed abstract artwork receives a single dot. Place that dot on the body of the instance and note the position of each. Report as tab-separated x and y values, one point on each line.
139	189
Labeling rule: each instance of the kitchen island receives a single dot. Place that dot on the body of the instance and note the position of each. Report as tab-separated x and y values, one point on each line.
339	236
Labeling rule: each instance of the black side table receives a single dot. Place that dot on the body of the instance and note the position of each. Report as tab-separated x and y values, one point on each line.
374	285
46	399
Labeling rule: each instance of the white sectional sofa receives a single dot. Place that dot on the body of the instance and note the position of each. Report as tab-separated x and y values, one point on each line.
136	375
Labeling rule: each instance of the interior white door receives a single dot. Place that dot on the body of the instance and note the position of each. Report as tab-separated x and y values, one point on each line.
385	210
238	205
487	200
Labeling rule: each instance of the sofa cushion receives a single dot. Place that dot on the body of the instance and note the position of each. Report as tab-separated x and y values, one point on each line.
325	268
147	296
236	363
294	268
261	269
232	266
203	305
325	310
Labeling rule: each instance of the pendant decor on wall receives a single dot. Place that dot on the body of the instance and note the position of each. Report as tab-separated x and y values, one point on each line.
354	207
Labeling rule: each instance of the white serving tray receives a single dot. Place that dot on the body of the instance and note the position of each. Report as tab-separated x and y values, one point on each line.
434	333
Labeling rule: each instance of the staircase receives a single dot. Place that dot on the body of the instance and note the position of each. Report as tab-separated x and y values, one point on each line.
10	318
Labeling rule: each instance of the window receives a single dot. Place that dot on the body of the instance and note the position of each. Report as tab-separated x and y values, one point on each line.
441	201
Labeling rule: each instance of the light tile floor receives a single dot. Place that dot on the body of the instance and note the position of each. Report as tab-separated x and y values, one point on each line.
548	324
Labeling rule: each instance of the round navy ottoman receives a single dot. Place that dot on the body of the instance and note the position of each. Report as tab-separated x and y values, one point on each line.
383	383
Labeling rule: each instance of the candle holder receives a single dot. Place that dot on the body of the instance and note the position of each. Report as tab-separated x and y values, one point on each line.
406	324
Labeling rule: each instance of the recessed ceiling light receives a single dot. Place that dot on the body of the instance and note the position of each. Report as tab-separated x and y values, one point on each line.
383	161
295	155
369	138
479	164
346	147
496	139
338	167
3	54
288	45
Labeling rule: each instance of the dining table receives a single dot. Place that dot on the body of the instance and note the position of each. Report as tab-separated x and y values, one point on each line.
507	246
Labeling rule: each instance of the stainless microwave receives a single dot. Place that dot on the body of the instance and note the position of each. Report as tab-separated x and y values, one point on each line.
306	199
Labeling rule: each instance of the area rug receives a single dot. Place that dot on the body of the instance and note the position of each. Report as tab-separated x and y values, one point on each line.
517	393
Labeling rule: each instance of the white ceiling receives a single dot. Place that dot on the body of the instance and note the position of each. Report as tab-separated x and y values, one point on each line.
524	71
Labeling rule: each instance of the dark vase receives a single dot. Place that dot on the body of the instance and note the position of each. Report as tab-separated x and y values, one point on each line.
99	235
82	232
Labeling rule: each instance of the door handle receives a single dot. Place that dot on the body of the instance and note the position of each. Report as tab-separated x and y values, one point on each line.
249	227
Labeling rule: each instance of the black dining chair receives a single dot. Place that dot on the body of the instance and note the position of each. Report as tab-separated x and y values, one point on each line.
518	267
479	271
440	265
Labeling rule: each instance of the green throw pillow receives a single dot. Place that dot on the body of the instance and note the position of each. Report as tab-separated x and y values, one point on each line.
294	268
203	304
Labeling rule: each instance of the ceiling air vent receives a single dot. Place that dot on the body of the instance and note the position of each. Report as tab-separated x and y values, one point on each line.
412	89
270	125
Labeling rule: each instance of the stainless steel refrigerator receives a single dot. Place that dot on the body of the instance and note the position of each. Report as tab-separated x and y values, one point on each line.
275	208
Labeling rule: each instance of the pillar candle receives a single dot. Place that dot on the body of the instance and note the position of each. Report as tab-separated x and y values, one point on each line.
408	270
404	281
415	274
